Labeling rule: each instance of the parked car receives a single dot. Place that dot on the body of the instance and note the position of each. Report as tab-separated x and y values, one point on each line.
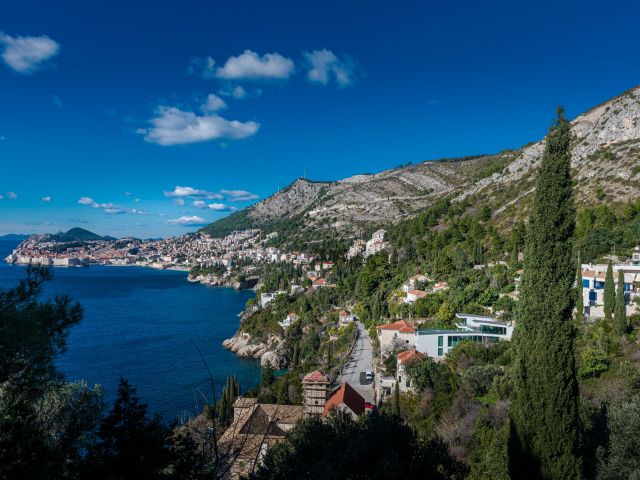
368	375
369	406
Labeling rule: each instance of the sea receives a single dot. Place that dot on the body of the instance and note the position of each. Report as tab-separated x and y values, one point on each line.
154	328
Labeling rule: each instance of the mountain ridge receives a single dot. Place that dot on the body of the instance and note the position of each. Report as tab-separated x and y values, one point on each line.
605	161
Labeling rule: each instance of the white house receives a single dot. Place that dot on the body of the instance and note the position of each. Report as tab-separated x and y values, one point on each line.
414	295
288	320
345	317
268	297
475	328
593	279
402	359
376	243
414	281
400	333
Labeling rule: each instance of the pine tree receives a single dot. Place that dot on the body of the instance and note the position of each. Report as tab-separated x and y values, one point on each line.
544	411
330	355
396	400
620	309
579	297
296	355
609	293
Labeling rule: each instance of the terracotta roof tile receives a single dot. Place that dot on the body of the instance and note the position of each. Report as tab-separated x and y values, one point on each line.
401	325
315	376
408	355
344	394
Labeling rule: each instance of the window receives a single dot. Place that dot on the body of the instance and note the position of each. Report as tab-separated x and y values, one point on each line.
585	283
439	351
440	343
493	330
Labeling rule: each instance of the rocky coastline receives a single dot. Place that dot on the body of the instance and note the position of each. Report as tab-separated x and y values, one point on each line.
270	352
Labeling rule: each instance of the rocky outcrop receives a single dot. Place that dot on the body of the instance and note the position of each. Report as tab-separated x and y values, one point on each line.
271	353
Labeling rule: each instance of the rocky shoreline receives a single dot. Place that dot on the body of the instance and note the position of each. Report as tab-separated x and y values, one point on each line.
217	281
270	352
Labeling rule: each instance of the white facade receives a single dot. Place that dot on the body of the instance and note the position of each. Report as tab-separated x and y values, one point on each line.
593	279
476	328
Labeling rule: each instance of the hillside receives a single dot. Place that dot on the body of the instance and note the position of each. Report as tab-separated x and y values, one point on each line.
76	235
605	161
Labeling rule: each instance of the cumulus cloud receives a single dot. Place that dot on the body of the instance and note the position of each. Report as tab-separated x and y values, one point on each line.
239	195
27	54
192	192
324	66
213	104
46	199
173	126
109	207
251	66
198	195
187	221
11	195
218	207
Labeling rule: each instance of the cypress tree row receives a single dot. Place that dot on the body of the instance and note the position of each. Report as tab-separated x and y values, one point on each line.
544	410
620	311
609	293
579	297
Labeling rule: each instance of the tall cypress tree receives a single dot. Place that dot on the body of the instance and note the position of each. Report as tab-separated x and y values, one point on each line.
620	311
579	297
609	293
544	410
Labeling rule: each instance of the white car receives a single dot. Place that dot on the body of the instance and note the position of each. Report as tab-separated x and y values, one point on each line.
368	375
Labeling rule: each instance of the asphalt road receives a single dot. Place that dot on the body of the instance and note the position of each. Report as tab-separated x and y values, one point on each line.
360	361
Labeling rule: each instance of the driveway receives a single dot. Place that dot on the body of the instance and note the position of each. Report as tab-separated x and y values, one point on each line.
360	361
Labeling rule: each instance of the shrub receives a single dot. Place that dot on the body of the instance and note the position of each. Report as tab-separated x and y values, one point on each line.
592	363
479	378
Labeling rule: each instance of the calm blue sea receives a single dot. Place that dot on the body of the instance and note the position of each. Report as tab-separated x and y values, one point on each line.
145	325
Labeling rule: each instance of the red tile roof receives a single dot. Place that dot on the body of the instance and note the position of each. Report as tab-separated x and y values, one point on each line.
316	376
344	394
408	355
401	325
418	293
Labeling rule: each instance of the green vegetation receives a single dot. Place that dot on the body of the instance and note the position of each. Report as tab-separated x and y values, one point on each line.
609	293
544	407
374	447
217	269
620	309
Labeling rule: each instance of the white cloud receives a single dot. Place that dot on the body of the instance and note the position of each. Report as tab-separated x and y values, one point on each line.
187	220
239	195
173	126
325	66
11	195
239	92
26	54
108	207
250	65
204	67
192	192
127	194
218	207
213	104
1	197
46	199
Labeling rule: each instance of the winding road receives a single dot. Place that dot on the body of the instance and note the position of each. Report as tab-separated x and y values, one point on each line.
359	362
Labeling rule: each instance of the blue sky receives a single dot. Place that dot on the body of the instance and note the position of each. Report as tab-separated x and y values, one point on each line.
147	118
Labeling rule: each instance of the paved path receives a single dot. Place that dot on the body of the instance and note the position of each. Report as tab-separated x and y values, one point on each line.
360	361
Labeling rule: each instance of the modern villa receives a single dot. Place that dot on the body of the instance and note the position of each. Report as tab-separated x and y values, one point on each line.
475	328
593	278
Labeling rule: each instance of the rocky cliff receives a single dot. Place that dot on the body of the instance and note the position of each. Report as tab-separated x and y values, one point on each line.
605	160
